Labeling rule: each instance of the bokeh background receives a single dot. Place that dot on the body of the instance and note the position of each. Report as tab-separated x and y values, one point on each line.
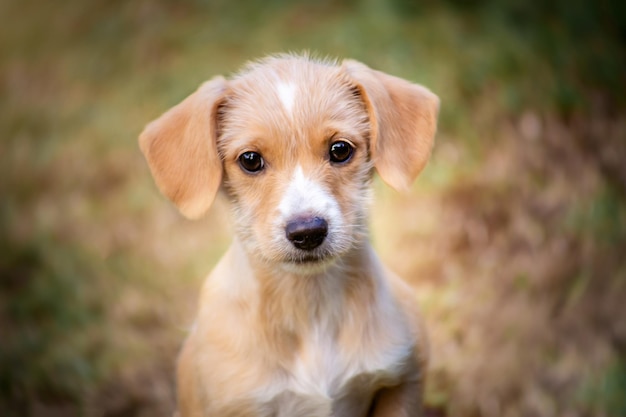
514	237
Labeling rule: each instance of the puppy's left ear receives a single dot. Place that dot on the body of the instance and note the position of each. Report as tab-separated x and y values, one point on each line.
403	120
181	149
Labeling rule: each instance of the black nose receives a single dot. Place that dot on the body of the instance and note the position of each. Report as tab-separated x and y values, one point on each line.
307	233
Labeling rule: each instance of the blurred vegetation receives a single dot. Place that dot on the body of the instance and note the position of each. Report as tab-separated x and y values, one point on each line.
514	237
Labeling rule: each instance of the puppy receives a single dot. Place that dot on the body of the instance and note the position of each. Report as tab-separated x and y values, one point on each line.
299	318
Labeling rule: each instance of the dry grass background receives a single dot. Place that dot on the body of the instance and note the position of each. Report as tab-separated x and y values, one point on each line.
514	237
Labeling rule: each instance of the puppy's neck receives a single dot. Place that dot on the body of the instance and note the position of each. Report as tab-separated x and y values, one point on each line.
308	296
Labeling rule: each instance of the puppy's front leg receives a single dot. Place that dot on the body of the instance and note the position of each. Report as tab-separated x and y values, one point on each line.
403	400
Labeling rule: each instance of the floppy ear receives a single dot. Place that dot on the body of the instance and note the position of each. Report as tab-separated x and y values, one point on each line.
403	120
181	149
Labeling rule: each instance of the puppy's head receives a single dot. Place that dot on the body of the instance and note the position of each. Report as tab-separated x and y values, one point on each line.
294	143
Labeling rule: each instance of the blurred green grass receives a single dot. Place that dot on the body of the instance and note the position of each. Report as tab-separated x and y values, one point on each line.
514	234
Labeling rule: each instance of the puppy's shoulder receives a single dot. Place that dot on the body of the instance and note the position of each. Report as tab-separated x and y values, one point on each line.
406	297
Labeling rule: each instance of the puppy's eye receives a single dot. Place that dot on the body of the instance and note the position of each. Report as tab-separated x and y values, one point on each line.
251	162
340	151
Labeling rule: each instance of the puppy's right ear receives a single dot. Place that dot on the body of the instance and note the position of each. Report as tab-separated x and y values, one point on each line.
181	149
403	120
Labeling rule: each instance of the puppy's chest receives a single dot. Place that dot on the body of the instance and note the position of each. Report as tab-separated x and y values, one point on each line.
326	380
321	367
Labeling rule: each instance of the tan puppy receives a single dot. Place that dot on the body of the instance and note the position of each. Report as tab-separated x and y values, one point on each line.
299	318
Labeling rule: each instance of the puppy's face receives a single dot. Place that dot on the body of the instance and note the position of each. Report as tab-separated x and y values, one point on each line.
294	143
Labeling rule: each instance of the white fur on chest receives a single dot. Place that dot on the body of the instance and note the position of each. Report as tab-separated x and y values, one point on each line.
320	369
325	381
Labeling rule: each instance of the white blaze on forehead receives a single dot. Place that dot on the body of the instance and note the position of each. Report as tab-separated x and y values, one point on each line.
304	196
287	95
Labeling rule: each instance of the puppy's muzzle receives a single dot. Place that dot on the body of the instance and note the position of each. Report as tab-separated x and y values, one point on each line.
306	233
